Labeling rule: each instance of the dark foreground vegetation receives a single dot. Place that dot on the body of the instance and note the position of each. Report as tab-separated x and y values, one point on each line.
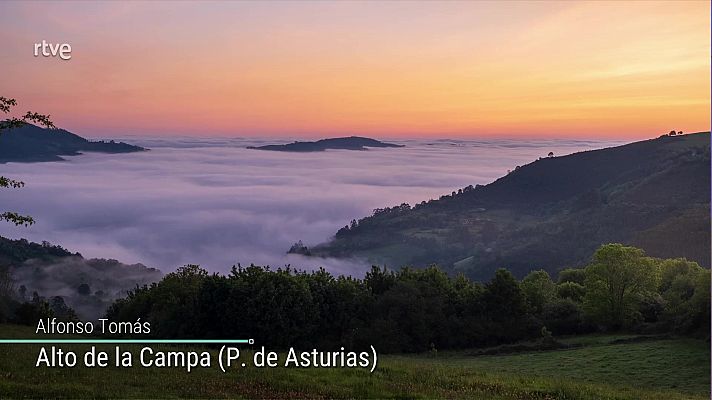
596	367
425	310
41	276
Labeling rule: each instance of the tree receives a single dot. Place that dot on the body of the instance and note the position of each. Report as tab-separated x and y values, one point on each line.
700	304
576	275
7	286
570	290
415	313
538	289
84	289
11	123
29	313
506	306
378	280
7	293
61	310
563	317
617	281
684	287
299	248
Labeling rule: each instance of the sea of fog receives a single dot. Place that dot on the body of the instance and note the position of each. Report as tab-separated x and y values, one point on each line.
214	203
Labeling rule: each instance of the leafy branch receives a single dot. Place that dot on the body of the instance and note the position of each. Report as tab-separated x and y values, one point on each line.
16	218
6	105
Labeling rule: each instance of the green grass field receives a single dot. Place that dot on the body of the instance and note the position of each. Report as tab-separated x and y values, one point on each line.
676	368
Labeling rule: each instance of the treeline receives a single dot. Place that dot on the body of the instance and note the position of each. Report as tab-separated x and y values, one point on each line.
414	310
379	214
16	307
14	252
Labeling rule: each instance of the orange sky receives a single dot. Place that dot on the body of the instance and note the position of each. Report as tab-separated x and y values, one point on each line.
544	69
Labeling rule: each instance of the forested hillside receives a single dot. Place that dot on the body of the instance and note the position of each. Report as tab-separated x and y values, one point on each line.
35	274
551	213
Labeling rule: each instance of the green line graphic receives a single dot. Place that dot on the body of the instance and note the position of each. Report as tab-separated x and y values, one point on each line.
126	341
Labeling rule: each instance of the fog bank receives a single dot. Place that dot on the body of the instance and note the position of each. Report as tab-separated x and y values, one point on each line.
213	202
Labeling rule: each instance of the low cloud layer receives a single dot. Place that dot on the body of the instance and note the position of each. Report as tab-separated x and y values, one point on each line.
215	203
107	280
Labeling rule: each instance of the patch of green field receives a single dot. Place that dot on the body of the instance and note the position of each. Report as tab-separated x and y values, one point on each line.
653	369
594	339
678	365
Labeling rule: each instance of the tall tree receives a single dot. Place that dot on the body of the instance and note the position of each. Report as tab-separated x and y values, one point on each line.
617	280
538	289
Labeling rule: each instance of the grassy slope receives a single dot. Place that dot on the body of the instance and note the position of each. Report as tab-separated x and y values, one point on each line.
658	369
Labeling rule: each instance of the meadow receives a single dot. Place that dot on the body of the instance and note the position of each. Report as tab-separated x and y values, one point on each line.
599	367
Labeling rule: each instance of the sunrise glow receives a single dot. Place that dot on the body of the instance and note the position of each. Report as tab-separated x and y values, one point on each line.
545	69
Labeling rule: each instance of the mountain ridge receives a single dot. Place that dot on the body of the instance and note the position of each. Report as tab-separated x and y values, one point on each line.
341	143
31	143
551	213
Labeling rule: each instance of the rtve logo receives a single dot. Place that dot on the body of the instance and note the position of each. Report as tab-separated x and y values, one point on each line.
61	50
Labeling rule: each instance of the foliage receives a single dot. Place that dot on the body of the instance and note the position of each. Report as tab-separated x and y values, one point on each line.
413	310
408	310
564	316
11	123
571	290
575	275
538	289
29	312
29	117
616	282
685	290
15	252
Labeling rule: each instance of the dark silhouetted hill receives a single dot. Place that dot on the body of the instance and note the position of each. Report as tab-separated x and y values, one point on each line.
15	252
345	143
552	213
31	143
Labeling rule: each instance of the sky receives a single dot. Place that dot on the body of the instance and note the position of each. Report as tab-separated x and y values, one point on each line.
388	69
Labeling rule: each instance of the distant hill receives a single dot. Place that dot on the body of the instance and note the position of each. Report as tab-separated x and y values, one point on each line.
344	143
54	271
15	252
31	143
552	213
